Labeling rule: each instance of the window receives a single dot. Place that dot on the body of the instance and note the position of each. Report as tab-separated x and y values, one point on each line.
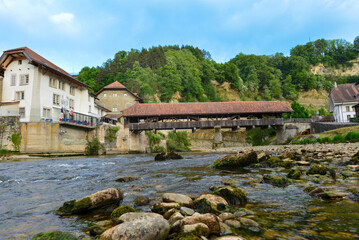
125	94
24	79
72	104
19	95
114	108
104	95
72	91
22	112
13	79
53	82
19	62
89	108
347	108
62	85
46	112
56	99
114	94
348	117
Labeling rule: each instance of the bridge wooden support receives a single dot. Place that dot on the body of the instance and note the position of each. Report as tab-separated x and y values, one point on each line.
194	130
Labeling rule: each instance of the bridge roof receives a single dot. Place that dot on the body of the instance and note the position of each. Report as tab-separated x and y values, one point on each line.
206	109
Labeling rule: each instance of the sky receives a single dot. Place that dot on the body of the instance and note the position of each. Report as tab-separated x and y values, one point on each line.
78	33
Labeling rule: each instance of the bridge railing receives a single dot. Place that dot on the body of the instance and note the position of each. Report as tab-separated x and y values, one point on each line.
205	124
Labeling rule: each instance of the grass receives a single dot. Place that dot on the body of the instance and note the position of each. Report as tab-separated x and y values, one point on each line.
338	138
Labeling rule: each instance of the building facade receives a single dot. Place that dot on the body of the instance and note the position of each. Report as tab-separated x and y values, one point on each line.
116	97
38	90
342	99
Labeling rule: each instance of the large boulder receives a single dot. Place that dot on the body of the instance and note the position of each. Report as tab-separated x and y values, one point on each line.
209	219
210	203
56	235
148	228
232	195
110	197
181	199
235	161
131	216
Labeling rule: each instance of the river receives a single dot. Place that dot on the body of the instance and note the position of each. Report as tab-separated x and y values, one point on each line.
31	190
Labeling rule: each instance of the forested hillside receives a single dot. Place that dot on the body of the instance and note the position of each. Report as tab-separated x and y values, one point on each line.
160	73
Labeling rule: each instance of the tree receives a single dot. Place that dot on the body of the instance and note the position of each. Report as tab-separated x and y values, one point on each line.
299	110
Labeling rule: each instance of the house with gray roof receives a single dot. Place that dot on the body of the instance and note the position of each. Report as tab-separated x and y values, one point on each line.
342	99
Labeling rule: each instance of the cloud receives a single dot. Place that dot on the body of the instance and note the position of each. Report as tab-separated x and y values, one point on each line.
62	18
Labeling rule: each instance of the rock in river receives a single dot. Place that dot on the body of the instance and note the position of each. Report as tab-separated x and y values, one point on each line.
106	198
235	161
209	203
149	228
233	195
53	236
181	199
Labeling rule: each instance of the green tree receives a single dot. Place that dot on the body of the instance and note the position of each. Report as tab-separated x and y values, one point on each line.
299	110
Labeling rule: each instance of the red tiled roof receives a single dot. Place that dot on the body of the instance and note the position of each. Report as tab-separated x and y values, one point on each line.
205	108
115	85
345	93
118	86
36	58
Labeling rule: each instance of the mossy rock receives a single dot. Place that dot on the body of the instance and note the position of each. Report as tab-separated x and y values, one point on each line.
233	195
309	189
56	235
354	160
276	180
294	174
278	162
289	155
186	236
73	207
235	161
118	212
317	169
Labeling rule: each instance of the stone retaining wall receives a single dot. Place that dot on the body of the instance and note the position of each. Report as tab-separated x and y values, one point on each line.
318	127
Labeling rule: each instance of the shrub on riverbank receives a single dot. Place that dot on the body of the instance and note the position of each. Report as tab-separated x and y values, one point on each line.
177	142
349	137
93	147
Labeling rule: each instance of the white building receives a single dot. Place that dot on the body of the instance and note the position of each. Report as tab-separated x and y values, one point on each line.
38	90
342	99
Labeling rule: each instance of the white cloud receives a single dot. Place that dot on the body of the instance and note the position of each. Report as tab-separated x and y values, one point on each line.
62	18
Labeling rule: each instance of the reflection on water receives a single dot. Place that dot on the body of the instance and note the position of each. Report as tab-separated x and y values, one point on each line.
31	190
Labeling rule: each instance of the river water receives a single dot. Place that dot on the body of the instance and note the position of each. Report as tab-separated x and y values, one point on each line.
31	190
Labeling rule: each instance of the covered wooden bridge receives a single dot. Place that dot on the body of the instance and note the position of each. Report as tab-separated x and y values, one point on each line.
172	116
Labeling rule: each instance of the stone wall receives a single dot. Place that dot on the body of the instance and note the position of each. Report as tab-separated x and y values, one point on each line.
7	127
318	127
43	137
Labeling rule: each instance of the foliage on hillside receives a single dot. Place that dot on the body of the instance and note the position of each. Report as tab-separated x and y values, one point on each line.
161	72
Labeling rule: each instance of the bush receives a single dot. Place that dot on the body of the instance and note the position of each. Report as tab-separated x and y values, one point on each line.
177	142
259	137
15	138
93	147
304	141
352	137
154	139
338	139
323	140
112	133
